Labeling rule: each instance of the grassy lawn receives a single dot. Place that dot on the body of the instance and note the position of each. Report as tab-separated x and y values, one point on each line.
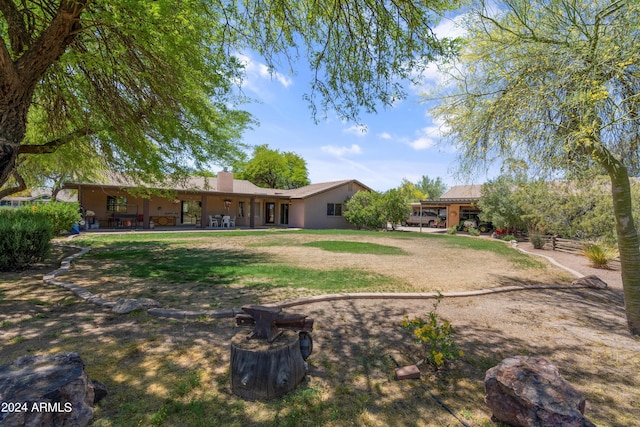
162	372
258	267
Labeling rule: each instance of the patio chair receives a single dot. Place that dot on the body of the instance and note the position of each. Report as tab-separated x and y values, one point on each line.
232	222
226	221
213	222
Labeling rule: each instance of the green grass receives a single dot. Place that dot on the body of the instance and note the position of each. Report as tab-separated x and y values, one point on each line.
176	258
356	247
183	265
518	258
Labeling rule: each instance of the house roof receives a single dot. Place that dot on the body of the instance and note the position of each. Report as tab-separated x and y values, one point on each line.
313	189
473	192
210	185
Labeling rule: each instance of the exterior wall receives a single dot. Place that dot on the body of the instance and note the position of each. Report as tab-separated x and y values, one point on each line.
297	213
309	212
315	207
96	200
454	212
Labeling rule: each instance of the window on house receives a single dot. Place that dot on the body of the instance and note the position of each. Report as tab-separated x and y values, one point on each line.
334	209
116	204
241	209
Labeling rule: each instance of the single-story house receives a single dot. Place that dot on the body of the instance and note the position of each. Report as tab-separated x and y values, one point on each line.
119	203
458	204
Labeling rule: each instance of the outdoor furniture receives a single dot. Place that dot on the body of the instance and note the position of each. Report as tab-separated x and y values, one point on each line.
213	222
232	222
226	221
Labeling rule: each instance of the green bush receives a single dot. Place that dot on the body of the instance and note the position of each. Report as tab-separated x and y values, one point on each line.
509	237
474	231
25	238
537	240
61	215
452	230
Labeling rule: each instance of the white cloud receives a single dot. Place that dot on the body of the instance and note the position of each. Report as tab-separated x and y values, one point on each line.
257	74
432	77
385	135
426	138
357	130
422	143
341	151
451	28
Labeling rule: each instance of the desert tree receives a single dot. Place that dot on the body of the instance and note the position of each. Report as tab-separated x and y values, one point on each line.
151	86
556	82
432	187
271	168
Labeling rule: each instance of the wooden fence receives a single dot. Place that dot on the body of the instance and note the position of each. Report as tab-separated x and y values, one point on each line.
571	246
566	245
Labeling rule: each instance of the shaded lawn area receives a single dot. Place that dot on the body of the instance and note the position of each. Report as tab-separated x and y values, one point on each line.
162	372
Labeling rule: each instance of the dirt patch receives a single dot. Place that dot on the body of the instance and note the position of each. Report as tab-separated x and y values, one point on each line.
147	362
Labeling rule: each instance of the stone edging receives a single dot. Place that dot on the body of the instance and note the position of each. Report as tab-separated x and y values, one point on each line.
65	266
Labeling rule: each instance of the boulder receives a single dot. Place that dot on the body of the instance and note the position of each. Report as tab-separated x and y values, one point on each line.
125	306
591	281
530	392
51	390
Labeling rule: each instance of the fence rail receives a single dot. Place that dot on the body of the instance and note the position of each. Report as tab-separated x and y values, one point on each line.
566	245
570	246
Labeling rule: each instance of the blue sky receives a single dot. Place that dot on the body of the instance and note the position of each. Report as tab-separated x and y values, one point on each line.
396	143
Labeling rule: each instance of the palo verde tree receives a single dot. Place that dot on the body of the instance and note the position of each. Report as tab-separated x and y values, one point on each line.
150	86
556	82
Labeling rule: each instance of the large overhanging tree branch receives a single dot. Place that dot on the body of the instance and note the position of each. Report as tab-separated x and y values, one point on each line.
159	78
53	145
556	82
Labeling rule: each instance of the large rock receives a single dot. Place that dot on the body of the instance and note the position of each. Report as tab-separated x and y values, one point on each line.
530	392
591	281
125	306
47	391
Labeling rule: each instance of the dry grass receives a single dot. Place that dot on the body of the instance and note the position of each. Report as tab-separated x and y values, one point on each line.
175	373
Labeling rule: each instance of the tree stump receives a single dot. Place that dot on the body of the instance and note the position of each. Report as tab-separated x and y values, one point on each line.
261	370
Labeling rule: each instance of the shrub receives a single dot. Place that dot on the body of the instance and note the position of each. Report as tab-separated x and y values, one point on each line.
599	255
435	335
61	215
537	240
509	237
452	230
25	238
474	231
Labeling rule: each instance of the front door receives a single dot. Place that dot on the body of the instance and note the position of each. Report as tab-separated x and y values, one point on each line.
270	213
284	213
191	212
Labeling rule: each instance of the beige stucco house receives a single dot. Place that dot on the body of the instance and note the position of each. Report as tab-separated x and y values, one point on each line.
118	203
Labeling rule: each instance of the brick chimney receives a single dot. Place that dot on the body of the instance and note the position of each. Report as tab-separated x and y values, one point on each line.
225	181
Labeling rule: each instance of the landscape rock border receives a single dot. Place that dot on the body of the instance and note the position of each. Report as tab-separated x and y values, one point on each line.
154	308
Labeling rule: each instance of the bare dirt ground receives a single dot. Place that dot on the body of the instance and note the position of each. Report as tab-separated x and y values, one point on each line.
582	331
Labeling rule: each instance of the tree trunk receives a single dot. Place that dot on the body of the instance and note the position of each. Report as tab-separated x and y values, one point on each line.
628	245
13	127
20	76
261	370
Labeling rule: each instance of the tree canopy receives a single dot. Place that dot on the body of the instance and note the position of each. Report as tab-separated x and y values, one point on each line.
498	203
555	82
425	188
150	87
272	169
